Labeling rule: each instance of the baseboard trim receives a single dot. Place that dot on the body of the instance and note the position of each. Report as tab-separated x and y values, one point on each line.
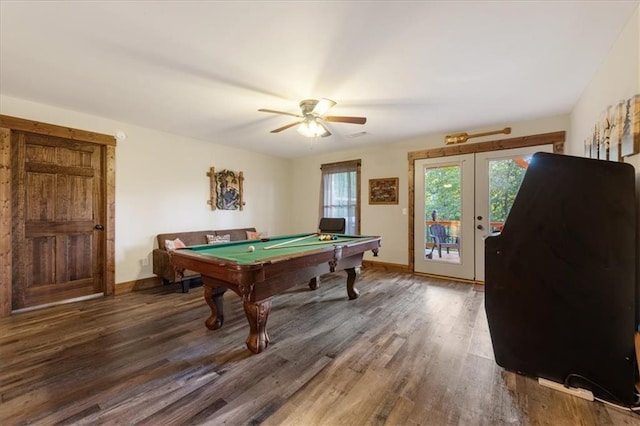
392	267
445	278
137	285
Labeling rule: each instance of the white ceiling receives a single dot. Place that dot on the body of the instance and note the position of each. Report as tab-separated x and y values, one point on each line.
203	68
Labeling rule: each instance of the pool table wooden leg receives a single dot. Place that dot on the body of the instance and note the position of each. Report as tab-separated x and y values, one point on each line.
314	283
213	297
257	314
352	275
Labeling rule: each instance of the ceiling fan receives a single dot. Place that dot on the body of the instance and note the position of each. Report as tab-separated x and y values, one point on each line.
312	116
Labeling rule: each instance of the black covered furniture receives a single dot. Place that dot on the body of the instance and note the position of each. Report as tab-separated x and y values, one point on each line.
332	225
442	240
560	279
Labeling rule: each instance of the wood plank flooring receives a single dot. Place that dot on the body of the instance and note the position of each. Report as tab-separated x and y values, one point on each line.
410	351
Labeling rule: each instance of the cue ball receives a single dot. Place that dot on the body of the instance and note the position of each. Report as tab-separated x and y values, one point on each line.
251	248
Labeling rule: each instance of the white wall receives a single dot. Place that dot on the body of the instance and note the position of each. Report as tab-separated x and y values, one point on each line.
618	78
390	160
161	184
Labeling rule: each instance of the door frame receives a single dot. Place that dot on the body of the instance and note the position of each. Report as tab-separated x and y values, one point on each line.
10	124
557	139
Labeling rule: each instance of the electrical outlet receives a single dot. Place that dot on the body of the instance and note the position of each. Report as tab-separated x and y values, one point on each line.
144	261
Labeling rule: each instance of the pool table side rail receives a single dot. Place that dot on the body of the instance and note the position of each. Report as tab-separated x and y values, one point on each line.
226	270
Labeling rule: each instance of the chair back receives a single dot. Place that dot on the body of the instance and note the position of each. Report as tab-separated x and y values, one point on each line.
439	232
332	225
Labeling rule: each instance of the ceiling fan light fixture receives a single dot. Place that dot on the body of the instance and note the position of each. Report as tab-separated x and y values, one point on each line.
312	128
312	118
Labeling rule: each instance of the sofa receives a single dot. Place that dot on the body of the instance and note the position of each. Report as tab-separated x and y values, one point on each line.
162	266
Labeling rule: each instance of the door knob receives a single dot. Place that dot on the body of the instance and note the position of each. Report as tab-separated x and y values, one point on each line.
480	227
99	227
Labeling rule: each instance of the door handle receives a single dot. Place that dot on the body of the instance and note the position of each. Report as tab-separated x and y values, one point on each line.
99	227
480	227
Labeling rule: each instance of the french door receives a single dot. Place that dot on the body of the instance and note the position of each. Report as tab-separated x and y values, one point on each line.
470	196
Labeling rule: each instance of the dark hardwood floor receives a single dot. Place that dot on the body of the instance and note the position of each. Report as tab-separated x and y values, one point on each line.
410	351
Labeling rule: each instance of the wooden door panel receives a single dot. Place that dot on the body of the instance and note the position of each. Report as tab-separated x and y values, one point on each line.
40	153
40	261
61	201
78	251
40	197
80	190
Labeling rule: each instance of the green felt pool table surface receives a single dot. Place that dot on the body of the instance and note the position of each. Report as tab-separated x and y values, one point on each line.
268	249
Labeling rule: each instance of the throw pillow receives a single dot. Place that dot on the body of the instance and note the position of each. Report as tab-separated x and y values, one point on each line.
218	239
254	235
174	244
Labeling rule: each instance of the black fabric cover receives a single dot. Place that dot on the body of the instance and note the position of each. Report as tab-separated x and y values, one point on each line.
560	280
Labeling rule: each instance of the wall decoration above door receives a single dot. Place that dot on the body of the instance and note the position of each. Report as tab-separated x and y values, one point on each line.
226	189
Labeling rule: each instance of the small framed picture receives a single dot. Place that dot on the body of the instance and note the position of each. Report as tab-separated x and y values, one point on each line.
630	126
383	191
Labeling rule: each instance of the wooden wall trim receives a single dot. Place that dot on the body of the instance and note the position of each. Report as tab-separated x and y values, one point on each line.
137	285
110	220
557	139
31	126
385	266
5	222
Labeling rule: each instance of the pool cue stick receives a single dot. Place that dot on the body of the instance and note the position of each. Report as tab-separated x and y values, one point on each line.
311	244
289	242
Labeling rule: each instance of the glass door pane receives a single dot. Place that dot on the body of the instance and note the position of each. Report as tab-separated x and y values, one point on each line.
505	178
442	200
499	175
443	195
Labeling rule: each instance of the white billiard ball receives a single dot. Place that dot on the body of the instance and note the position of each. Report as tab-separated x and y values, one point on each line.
251	248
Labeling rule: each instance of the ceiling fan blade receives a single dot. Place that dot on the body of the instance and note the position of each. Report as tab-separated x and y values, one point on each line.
340	119
279	129
323	106
326	131
280	112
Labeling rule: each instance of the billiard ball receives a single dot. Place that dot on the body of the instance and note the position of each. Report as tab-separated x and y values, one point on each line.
251	248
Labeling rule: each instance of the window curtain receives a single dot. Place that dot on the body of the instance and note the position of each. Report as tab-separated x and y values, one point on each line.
340	193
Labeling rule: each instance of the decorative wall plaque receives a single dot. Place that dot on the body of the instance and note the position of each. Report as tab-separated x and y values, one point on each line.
226	189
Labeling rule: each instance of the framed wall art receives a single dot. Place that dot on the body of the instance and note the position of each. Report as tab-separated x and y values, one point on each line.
383	191
226	189
630	122
617	133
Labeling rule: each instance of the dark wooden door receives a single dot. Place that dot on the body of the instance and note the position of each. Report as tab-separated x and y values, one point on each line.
58	210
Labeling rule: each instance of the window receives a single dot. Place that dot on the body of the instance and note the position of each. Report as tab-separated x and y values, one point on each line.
340	193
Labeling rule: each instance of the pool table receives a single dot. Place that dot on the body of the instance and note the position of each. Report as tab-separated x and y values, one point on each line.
256	270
